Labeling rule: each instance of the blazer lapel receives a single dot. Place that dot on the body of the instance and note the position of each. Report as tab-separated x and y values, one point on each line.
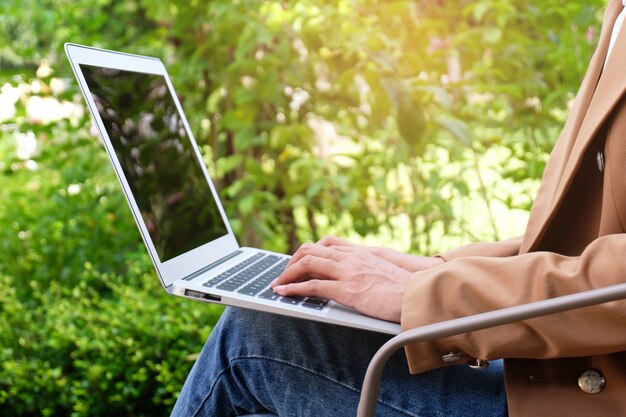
610	88
597	95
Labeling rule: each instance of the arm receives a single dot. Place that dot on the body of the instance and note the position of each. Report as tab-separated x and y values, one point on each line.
370	279
471	285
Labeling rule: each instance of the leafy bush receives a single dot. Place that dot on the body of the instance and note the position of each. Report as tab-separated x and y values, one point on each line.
86	328
83	351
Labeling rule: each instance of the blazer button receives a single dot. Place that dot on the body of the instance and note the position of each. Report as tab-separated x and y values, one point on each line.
479	364
591	382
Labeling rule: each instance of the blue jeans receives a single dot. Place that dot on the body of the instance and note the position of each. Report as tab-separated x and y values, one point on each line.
259	363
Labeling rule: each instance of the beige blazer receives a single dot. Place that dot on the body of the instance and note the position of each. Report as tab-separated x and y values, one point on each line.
569	364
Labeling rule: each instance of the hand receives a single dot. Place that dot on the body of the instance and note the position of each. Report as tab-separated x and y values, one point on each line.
409	262
350	274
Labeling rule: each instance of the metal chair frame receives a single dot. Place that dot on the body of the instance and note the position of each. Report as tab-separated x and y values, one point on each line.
371	383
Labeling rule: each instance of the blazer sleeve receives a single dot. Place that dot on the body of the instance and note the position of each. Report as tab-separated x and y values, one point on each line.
475	284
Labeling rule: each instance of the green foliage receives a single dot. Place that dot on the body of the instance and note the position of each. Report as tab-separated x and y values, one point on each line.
86	328
367	94
393	121
84	351
34	30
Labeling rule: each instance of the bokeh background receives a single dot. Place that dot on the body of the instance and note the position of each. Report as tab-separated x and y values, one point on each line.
418	125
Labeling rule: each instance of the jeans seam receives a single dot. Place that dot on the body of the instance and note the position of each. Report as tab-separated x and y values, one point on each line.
311	371
208	394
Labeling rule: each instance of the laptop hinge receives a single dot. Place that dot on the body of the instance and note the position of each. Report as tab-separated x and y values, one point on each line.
213	265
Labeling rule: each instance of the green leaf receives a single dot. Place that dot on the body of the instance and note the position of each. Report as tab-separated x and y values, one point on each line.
315	188
229	163
246	204
411	121
213	101
299	200
459	129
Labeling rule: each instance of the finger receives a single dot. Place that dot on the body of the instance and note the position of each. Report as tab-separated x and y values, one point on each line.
334	241
314	250
388	255
348	249
309	267
311	288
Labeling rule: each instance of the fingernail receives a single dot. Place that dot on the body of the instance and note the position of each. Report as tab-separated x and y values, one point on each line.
279	289
273	283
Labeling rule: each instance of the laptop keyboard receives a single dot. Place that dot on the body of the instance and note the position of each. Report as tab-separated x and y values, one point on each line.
253	276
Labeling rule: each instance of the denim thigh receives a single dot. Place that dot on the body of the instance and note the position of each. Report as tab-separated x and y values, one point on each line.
259	363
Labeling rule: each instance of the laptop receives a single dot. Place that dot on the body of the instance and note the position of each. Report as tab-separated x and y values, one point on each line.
172	198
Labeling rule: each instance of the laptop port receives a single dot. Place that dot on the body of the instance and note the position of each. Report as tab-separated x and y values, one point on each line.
202	295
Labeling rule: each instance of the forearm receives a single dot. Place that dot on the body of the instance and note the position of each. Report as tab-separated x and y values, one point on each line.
471	285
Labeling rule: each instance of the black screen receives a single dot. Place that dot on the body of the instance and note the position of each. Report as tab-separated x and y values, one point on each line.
157	158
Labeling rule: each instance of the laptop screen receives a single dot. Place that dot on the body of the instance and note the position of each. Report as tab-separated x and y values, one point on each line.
157	158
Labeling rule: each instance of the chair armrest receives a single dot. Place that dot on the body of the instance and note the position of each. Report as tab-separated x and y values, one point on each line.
371	383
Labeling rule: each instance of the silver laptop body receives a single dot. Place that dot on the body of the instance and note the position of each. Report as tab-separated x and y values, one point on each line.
172	198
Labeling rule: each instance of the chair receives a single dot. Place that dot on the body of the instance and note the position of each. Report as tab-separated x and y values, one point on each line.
371	383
